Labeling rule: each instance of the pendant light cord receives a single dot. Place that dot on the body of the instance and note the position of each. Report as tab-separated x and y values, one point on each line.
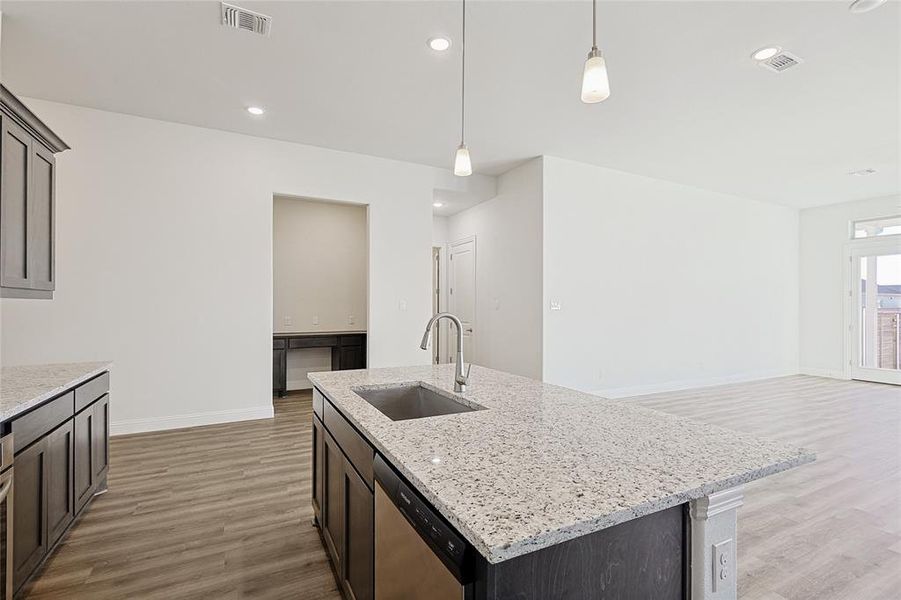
463	81
594	24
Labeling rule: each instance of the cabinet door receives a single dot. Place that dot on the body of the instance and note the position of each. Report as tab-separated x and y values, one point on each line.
357	570
351	357
41	219
278	370
100	439
318	447
16	154
84	457
333	499
30	537
60	466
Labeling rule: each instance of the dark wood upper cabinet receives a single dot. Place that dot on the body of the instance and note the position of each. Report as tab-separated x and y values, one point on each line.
27	201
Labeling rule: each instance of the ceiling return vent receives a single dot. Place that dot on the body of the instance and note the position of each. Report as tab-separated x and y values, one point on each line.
248	20
782	61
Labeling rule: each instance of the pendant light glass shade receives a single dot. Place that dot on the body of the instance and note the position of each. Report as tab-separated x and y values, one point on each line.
595	85
462	163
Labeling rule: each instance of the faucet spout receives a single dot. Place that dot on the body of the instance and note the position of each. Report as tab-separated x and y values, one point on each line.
461	379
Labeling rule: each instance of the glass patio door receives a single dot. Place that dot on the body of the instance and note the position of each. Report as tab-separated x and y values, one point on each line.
875	319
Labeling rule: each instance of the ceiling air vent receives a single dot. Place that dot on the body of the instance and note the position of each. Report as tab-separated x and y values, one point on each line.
248	20
782	61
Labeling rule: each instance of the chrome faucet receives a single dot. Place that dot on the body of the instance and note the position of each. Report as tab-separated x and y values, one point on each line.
460	379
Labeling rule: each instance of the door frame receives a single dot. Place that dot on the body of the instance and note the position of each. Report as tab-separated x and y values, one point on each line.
853	251
451	304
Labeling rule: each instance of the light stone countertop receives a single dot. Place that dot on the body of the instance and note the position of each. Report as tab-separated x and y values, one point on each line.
27	386
545	464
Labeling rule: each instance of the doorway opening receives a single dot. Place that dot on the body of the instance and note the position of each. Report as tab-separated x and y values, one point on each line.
874	315
320	295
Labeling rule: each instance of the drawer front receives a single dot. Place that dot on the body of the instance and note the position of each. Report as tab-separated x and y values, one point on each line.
357	339
355	447
43	420
89	391
313	342
278	344
318	402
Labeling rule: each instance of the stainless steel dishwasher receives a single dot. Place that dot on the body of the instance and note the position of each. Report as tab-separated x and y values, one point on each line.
418	555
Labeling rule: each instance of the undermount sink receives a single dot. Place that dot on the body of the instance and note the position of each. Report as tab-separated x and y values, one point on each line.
412	402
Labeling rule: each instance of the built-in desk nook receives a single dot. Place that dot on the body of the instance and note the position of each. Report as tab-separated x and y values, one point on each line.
348	352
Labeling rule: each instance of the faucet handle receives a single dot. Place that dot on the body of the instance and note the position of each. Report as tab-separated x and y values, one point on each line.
468	369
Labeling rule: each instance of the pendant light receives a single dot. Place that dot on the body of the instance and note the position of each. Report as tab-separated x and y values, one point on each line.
462	162
595	85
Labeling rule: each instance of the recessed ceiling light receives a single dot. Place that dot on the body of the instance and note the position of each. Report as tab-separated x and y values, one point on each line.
255	110
766	52
439	44
863	172
862	6
437	204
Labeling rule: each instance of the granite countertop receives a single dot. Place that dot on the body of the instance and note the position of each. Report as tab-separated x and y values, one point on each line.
27	386
544	464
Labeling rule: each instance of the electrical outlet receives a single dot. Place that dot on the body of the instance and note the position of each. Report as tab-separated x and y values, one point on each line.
402	306
555	305
722	564
287	321
315	319
350	319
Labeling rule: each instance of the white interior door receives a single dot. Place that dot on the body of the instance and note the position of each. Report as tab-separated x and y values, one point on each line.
461	296
875	312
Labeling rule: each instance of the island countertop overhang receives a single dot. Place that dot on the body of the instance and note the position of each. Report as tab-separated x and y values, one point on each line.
544	464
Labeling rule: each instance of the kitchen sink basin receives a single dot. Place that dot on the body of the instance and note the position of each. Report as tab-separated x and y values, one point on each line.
412	402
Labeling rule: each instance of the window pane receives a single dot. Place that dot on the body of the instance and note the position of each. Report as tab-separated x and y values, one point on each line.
879	312
877	227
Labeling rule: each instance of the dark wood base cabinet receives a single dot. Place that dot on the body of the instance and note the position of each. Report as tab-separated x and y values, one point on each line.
343	499
60	464
348	352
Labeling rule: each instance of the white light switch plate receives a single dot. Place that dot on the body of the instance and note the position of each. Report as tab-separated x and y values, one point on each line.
555	305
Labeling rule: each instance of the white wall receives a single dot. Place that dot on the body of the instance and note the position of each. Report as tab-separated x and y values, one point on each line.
164	241
661	285
318	265
507	229
824	236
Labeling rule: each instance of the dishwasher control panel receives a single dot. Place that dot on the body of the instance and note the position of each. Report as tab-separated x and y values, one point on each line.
454	551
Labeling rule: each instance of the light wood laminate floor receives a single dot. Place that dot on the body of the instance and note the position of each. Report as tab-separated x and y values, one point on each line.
830	530
223	512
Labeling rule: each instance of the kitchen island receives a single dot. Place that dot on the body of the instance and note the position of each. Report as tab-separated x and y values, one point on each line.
559	493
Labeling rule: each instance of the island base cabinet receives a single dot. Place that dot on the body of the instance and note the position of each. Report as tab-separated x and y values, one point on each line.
357	572
345	515
30	510
318	447
332	506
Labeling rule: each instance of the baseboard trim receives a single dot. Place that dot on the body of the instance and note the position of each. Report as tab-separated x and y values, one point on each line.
687	384
817	372
191	420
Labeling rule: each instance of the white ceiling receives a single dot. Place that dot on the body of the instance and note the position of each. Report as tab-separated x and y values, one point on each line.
688	104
